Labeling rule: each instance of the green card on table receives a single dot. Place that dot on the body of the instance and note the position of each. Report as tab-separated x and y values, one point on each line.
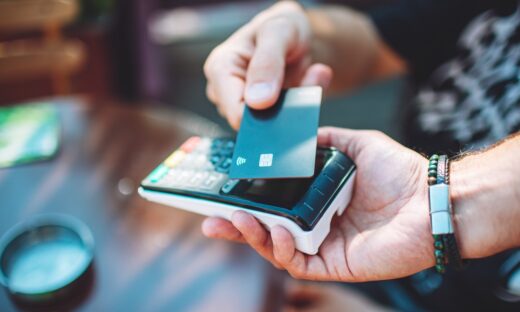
28	133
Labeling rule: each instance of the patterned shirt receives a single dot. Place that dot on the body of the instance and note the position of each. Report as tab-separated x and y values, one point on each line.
465	90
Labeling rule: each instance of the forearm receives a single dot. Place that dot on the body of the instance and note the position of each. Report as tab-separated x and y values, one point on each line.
485	189
347	41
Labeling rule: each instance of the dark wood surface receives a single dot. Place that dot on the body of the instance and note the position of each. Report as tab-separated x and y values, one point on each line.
148	257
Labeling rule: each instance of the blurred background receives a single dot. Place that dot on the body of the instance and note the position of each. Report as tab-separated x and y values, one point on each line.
148	51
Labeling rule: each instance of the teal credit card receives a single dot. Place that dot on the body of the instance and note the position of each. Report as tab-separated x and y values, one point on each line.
279	142
28	133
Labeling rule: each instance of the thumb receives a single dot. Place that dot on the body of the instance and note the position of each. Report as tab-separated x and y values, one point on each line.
265	73
348	141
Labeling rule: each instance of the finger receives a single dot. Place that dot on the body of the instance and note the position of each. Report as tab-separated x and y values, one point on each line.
265	74
229	90
225	72
346	140
327	136
317	75
285	252
294	72
254	234
304	73
219	228
210	93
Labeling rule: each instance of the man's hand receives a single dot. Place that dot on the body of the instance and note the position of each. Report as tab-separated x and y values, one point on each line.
384	233
286	46
270	52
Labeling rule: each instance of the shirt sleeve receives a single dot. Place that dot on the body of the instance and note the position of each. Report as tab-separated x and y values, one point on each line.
425	32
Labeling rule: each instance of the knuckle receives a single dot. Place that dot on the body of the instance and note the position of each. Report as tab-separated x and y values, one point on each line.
212	61
276	256
207	66
281	26
279	258
296	274
280	23
256	242
210	94
291	6
328	129
220	110
266	62
375	133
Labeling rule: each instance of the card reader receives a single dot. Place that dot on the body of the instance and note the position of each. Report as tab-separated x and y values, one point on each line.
195	178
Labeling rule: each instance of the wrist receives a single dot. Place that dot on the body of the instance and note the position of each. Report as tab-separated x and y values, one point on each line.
485	204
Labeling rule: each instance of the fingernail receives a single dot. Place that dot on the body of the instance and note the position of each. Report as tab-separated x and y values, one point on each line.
259	91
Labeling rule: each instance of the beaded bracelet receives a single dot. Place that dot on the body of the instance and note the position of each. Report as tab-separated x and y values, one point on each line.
445	243
438	241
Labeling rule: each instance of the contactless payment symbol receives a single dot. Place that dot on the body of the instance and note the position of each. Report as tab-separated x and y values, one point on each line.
240	161
266	160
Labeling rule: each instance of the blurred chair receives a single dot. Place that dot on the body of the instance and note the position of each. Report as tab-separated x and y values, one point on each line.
49	56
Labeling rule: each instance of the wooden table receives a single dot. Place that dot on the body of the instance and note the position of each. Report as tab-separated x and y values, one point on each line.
148	257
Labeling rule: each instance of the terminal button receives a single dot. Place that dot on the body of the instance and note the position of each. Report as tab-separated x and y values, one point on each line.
190	144
158	173
229	186
308	206
211	181
175	158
